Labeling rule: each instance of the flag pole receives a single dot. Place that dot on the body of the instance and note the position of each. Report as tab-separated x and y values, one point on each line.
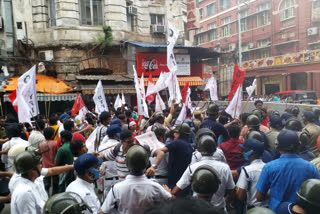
148	120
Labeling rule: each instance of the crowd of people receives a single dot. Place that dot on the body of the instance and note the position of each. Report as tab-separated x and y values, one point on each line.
262	162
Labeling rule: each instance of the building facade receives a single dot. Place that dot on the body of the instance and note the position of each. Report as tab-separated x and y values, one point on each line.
280	42
67	35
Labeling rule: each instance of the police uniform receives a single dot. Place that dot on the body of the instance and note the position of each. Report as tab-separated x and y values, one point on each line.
218	156
27	196
217	128
133	195
86	191
248	179
224	174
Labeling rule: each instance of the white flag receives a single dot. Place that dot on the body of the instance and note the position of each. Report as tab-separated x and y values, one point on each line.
26	100
100	99
173	34
118	102
160	106
142	105
123	99
212	87
182	116
141	86
234	107
161	83
251	88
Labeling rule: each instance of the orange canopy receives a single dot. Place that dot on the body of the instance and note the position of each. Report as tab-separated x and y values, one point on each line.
44	84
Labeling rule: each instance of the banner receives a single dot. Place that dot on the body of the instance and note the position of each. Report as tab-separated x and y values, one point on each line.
193	15
157	63
100	99
150	139
151	87
173	35
234	107
26	96
238	76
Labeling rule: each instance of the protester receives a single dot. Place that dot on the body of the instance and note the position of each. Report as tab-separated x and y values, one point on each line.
36	137
104	119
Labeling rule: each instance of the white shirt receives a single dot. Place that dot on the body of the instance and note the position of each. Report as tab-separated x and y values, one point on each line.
110	167
224	174
86	192
162	168
7	145
35	138
27	196
249	183
133	195
218	156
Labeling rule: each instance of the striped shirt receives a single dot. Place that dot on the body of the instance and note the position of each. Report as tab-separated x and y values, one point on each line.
116	154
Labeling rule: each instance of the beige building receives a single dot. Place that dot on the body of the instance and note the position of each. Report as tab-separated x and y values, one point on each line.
64	35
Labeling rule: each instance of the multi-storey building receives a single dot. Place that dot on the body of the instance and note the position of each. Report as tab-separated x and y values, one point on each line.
64	34
280	42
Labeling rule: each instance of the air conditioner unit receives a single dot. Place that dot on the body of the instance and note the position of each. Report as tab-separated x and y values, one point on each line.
250	45
312	31
157	28
132	10
46	55
21	30
232	47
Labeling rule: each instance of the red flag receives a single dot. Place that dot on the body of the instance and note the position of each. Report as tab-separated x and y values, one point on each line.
78	105
184	92
13	97
238	76
151	86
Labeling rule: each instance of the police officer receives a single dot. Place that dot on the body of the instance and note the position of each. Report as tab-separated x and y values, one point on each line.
180	152
67	202
316	112
205	182
211	123
295	111
136	192
307	201
266	156
207	146
28	196
86	168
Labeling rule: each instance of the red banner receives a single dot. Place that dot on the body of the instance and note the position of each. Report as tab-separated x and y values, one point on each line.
238	76
154	63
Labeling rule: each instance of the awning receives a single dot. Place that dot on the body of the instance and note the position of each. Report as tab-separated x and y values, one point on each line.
109	89
113	77
44	84
193	81
50	97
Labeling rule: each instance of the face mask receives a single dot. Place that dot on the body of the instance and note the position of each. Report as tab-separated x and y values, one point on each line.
247	155
96	173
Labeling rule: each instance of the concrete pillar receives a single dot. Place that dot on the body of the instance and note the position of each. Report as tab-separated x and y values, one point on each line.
259	86
284	83
288	82
309	80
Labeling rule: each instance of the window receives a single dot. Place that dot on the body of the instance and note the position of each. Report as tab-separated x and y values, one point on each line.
91	12
212	25
212	35
199	30
264	53
211	9
52	12
263	18
224	4
199	39
157	19
264	43
316	4
245	56
132	22
226	28
244	20
201	13
286	9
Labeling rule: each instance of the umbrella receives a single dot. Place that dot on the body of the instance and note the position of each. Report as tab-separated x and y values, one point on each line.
44	84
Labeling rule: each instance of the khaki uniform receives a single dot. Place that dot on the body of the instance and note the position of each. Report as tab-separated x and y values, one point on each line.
314	132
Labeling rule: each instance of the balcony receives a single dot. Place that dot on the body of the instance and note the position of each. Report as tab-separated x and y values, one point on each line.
288	59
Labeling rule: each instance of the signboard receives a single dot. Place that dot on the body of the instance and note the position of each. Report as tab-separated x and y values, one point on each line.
288	59
193	16
157	63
